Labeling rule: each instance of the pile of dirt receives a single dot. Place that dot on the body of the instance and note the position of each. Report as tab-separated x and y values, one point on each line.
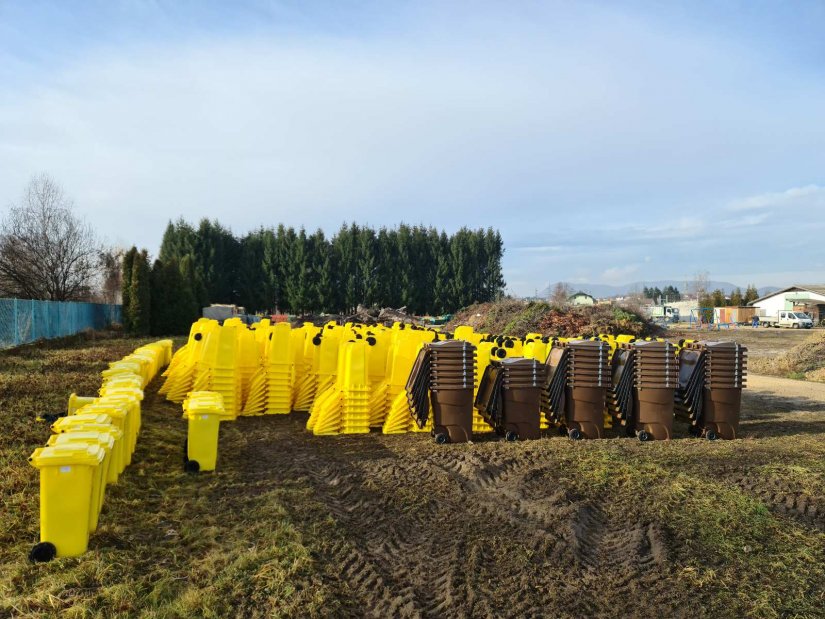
805	360
517	318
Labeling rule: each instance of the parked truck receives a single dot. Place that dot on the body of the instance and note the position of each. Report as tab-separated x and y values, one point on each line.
220	312
663	313
787	318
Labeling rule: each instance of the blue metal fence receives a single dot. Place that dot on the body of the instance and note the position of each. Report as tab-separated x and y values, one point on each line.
23	321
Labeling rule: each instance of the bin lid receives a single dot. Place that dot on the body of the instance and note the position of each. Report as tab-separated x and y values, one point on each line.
206	410
65	455
88	426
99	418
118	399
122	391
103	438
115	410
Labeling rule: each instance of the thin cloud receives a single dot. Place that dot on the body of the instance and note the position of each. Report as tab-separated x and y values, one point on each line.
590	135
810	196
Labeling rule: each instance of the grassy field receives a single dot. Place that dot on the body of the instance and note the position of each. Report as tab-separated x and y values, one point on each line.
373	525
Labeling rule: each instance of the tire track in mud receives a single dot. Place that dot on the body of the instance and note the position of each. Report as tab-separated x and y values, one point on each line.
451	532
781	500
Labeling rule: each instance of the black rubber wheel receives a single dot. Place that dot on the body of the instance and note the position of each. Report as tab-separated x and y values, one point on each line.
511	436
711	435
42	552
575	434
192	466
644	436
442	438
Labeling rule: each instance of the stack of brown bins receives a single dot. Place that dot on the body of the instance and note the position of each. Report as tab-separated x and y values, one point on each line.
521	398
588	378
510	397
555	383
452	379
621	395
655	381
725	375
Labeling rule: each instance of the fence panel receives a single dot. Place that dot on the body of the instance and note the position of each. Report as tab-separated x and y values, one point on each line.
23	321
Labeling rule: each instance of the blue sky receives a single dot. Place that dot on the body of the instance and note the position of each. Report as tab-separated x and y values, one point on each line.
609	142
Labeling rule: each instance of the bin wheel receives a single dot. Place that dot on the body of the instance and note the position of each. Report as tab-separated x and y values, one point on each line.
644	436
42	552
575	434
441	438
192	466
511	436
711	435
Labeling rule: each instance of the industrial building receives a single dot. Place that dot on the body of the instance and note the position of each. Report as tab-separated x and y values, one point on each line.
799	298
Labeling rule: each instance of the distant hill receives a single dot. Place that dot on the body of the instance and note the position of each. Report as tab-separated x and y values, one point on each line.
602	291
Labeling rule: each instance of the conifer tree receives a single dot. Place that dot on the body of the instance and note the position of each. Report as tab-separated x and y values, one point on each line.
140	295
126	291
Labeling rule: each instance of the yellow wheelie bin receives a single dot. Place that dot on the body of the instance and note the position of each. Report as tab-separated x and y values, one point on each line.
77	402
100	422
106	440
67	476
121	418
204	411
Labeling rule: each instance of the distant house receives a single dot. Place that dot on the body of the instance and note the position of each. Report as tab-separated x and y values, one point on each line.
799	298
581	298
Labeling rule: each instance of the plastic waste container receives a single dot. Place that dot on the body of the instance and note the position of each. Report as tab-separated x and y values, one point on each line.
204	411
67	478
104	439
100	422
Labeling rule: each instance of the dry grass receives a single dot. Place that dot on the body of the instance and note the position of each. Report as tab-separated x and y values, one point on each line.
806	360
169	545
294	525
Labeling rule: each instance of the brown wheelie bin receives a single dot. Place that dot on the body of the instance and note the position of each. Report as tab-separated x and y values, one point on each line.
657	376
452	382
588	378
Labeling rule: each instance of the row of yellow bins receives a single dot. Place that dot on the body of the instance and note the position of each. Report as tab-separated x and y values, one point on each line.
89	449
349	377
203	411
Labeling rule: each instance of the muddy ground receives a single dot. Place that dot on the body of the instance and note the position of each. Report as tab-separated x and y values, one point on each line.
384	526
494	529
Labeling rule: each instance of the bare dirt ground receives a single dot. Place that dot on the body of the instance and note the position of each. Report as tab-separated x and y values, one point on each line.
494	529
383	526
761	342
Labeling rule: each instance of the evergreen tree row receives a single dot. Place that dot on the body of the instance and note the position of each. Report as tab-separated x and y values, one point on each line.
157	300
298	272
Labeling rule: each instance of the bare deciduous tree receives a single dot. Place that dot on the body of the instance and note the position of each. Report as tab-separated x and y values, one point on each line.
111	275
46	251
560	294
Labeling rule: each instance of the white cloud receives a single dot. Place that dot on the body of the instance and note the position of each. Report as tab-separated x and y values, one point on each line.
810	196
618	275
589	135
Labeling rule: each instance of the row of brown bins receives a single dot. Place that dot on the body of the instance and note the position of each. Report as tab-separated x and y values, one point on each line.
640	384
